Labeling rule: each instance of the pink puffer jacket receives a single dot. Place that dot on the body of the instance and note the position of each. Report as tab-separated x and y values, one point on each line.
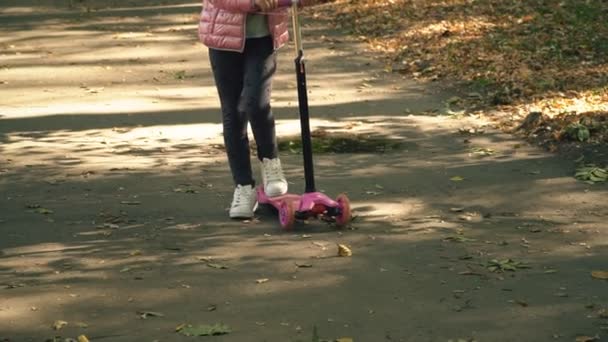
222	24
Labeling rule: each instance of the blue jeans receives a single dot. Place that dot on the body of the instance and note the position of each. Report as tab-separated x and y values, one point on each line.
244	81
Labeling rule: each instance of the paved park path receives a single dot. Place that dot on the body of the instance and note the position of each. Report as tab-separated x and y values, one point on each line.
114	189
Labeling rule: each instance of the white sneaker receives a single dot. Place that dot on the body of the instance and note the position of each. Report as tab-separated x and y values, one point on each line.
274	181
244	202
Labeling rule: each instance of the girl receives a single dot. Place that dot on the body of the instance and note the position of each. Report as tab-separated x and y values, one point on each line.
242	37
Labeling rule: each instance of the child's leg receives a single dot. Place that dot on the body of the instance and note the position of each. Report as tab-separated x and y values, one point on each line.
260	66
228	69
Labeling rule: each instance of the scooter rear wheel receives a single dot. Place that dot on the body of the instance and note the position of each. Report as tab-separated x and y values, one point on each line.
287	215
345	215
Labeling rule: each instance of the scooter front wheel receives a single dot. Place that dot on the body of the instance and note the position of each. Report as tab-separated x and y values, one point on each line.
287	215
345	215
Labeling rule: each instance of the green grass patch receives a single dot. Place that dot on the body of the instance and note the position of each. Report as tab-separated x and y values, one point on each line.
341	143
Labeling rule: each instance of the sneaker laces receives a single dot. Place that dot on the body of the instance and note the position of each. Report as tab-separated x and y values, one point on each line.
241	194
273	170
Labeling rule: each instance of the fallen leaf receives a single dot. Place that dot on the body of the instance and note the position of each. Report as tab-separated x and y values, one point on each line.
457	179
600	275
130	202
456	210
83	338
204	330
261	280
146	314
482	151
218	266
587	338
86	174
522	303
303	265
54	181
458	238
318	244
59	324
496	265
180	75
94	90
345	339
465	217
44	211
454	99
185	190
344	251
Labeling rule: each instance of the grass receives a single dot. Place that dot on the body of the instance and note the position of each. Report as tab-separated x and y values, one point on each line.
341	143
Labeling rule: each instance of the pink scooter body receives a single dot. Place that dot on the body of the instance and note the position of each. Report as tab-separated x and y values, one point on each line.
311	204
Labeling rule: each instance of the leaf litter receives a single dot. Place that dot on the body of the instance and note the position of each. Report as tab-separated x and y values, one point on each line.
591	174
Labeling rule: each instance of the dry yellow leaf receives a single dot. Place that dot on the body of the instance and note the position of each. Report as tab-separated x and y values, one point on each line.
59	324
344	251
262	280
83	338
600	275
345	339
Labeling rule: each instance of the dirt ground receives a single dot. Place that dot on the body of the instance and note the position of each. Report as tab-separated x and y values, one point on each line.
114	194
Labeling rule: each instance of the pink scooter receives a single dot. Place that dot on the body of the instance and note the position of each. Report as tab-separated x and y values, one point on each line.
311	203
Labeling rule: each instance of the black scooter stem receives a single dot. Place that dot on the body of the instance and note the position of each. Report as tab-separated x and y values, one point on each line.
305	123
309	174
